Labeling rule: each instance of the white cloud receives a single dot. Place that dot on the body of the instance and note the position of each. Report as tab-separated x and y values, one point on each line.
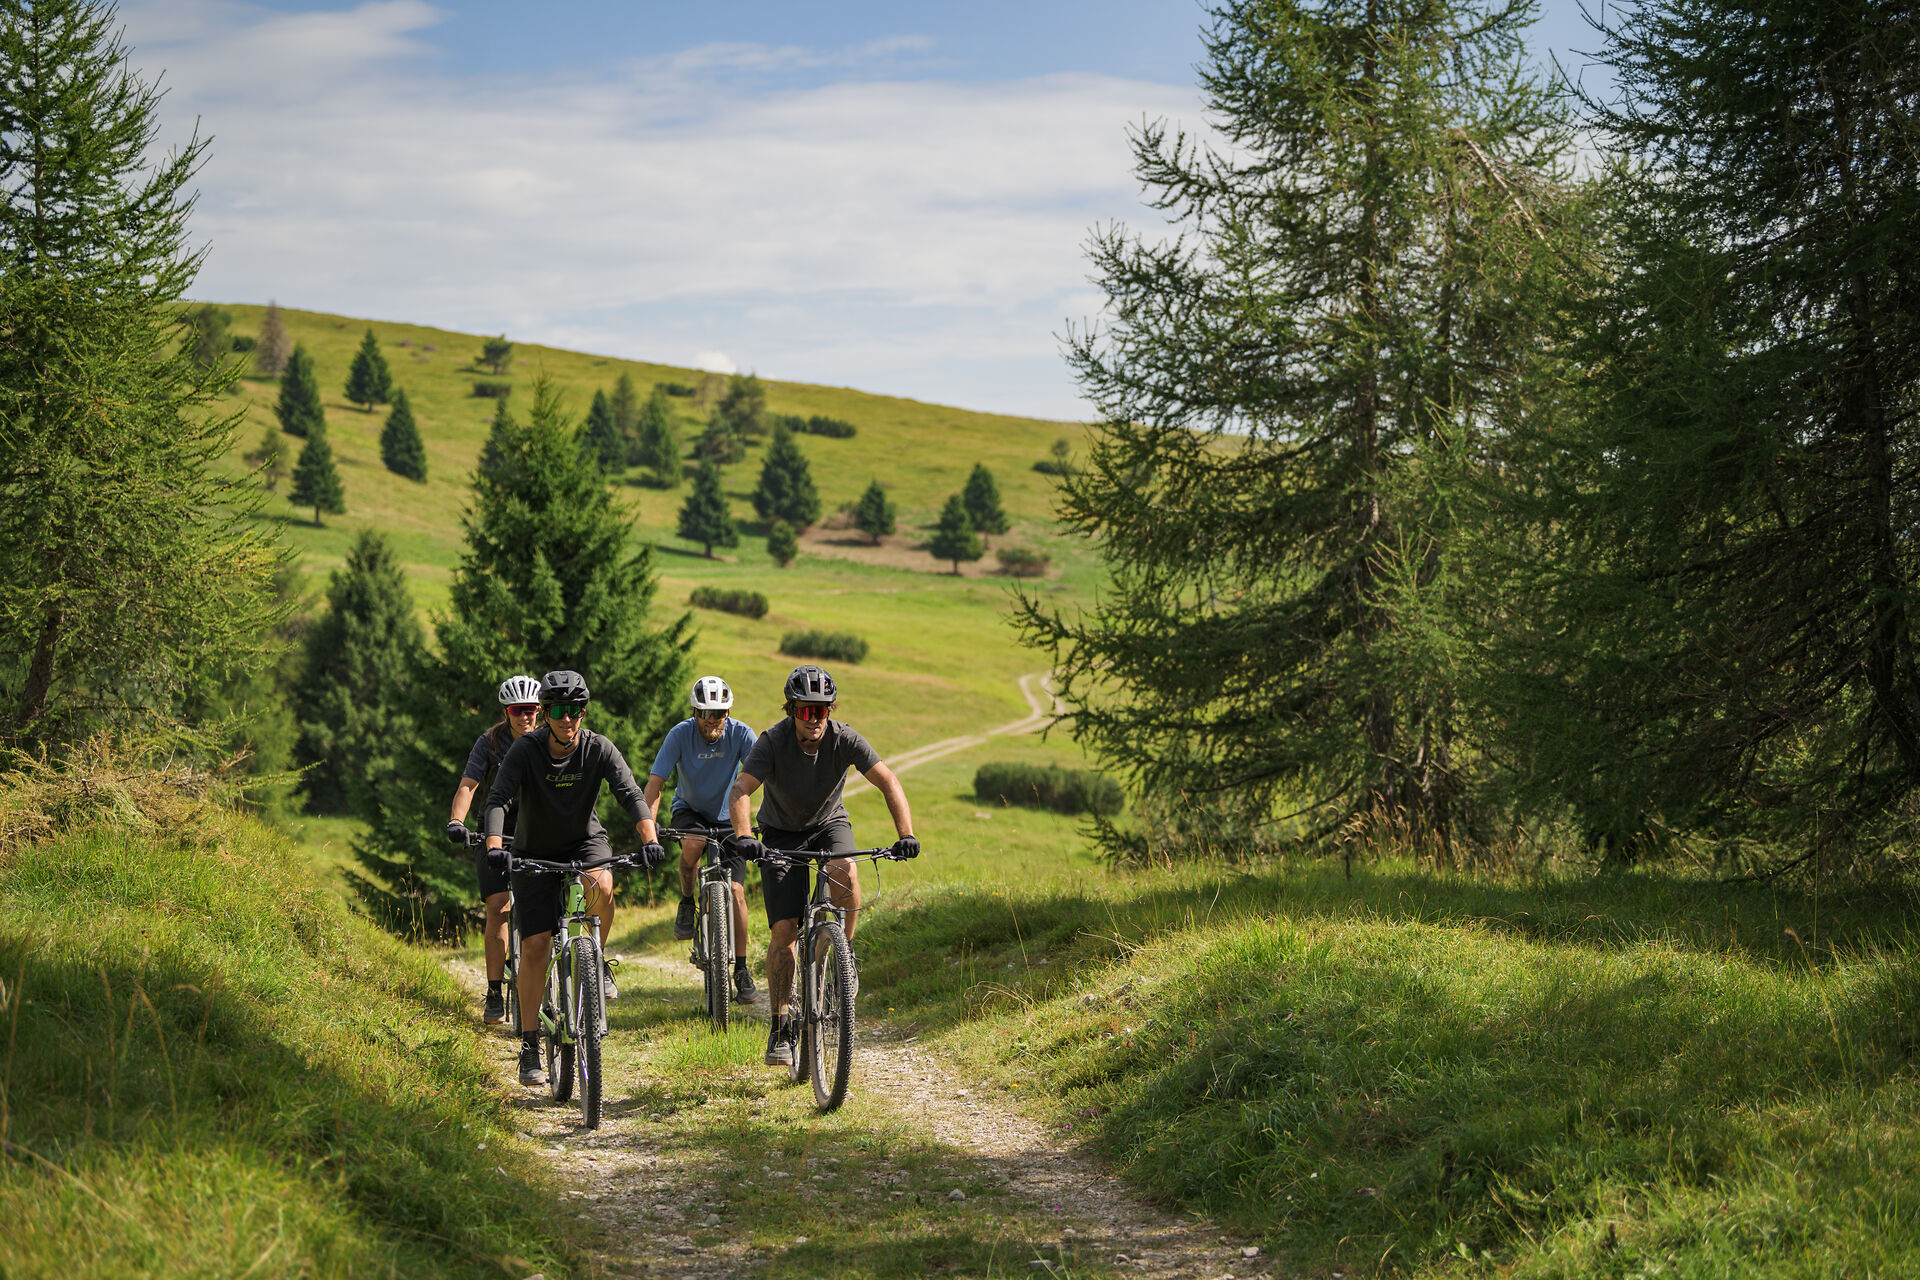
715	362
897	235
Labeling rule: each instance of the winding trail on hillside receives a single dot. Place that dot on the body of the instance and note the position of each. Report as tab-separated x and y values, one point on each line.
1043	705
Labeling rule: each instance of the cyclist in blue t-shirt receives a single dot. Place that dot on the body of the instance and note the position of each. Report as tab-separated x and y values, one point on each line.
707	751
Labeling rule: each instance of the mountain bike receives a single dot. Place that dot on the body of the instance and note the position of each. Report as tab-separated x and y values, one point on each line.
478	840
712	952
826	978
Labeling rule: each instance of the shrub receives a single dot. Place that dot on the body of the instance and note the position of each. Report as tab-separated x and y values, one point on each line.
244	342
1022	563
678	389
1053	467
492	390
1049	787
748	604
817	425
835	646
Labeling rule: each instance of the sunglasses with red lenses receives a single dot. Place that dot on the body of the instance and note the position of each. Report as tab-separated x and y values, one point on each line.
524	709
810	711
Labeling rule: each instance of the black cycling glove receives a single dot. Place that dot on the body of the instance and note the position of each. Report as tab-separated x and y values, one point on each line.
652	854
456	832
499	859
743	847
906	847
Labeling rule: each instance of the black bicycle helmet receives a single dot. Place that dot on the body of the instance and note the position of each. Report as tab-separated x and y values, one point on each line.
810	684
563	686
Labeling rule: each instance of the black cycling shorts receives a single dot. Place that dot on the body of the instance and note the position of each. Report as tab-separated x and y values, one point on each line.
540	897
489	880
787	891
684	817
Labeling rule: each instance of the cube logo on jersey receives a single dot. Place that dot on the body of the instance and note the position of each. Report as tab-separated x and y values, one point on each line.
561	780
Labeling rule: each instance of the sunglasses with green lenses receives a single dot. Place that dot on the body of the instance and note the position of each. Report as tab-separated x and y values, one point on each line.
566	710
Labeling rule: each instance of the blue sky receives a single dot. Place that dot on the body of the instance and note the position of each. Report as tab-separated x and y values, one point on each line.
886	196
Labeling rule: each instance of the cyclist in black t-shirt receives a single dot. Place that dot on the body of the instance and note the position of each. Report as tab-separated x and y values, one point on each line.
519	702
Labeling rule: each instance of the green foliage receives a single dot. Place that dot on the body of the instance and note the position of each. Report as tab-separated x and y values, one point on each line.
1295	392
369	380
209	334
817	425
268	458
400	445
1048	787
748	604
625	406
719	443
129	571
954	539
704	517
981	497
484	390
786	491
834	646
360	658
743	409
316	483
1019	562
656	442
299	408
600	437
553	576
783	544
681	389
874	515
1059	464
273	346
496	354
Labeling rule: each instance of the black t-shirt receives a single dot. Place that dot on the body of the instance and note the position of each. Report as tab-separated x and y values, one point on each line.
557	797
802	790
483	765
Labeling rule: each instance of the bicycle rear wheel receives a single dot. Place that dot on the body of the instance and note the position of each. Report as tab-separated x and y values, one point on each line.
830	1018
718	942
559	1049
590	1014
513	975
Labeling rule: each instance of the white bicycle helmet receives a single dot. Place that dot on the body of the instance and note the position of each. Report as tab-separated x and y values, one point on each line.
710	693
519	689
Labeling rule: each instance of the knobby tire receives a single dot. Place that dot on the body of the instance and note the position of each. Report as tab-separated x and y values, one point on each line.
592	1016
829	996
718	942
559	1054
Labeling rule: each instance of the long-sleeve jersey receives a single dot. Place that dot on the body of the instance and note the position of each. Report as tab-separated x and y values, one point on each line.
556	820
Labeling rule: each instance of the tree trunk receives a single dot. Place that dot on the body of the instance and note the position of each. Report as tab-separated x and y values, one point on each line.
40	673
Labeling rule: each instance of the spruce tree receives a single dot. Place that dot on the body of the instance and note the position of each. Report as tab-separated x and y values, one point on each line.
954	538
600	437
1289	392
268	458
401	448
554	574
130	571
874	516
299	408
982	499
786	491
783	544
719	443
705	517
743	409
209	334
315	482
352	698
625	403
369	381
273	346
657	441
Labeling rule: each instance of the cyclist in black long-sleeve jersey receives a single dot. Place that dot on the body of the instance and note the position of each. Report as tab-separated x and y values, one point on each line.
555	771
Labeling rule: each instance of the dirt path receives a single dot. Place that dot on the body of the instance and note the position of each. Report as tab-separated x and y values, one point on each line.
1043	707
708	1164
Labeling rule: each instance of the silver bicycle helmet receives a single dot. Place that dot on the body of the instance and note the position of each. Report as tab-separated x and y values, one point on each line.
518	689
710	693
810	684
564	686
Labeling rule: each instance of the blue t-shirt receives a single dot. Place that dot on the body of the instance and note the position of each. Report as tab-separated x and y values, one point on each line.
706	768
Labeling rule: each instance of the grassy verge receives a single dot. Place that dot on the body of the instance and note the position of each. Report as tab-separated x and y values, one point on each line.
210	1068
1410	1075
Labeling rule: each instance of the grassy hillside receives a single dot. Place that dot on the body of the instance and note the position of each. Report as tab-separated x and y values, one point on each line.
211	1068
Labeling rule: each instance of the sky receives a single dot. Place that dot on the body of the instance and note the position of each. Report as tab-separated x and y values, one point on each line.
883	196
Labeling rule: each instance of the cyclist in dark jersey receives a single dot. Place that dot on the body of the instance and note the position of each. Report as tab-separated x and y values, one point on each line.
803	762
519	702
555	771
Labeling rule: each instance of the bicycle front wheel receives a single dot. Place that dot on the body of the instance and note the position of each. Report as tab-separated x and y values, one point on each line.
718	941
558	1041
590	1011
830	1015
513	978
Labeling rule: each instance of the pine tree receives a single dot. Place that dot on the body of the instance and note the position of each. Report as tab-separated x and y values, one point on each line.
744	407
719	443
600	437
129	569
554	575
786	491
401	448
625	403
351	700
783	544
209	334
704	517
273	346
1289	392
299	408
982	499
657	447
369	381
954	538
269	458
315	482
874	516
